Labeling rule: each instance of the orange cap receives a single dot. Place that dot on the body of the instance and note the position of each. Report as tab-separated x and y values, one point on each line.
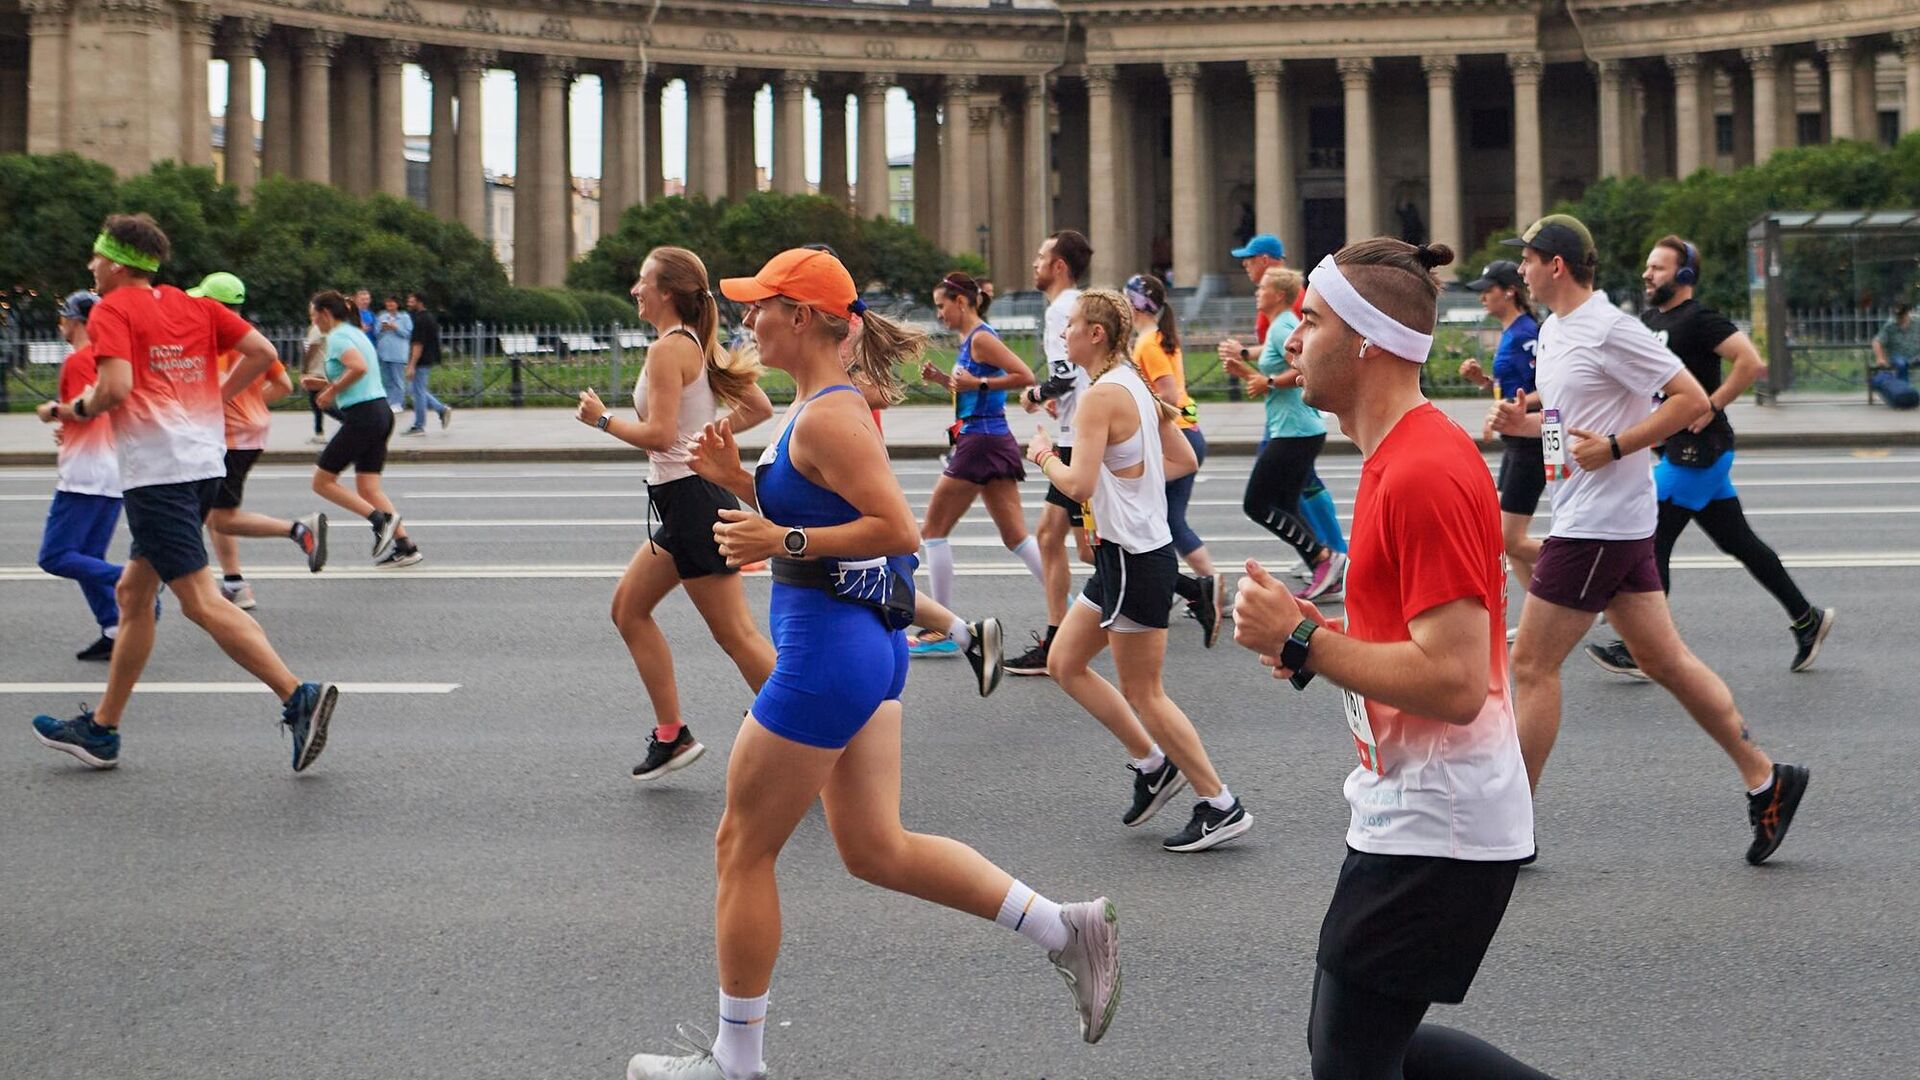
803	275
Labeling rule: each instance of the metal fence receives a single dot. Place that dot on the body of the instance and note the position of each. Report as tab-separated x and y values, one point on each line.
1832	348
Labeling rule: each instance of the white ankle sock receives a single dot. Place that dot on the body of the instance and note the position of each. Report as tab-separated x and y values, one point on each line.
940	571
737	1046
1222	801
1033	916
1029	552
110	632
957	630
1762	789
1151	762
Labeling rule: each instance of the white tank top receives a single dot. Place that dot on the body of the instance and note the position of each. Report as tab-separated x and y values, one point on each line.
1133	512
697	410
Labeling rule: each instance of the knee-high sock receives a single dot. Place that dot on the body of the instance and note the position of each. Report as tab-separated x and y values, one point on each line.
940	571
1318	508
1029	552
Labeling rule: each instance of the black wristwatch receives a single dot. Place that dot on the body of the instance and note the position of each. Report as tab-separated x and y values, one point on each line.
1245	354
1613	441
983	386
796	542
1293	653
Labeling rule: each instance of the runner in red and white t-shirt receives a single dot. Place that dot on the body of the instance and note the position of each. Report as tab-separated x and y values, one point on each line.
157	352
86	499
1441	815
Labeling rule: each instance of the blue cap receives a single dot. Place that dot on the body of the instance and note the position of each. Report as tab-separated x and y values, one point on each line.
77	305
1262	244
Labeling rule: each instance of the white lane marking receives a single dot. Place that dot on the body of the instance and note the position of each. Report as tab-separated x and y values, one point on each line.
220	688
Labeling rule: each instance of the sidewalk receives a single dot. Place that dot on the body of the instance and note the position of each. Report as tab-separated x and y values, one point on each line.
919	431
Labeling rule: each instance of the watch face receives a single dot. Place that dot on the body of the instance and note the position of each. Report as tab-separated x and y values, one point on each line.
796	542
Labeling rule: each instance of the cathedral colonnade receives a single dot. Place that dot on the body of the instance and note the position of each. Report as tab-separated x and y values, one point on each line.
1167	134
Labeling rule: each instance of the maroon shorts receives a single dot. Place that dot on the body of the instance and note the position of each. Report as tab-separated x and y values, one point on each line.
1587	574
979	458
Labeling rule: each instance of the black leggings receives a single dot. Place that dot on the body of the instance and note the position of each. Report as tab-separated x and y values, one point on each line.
1280	474
1726	525
1356	1034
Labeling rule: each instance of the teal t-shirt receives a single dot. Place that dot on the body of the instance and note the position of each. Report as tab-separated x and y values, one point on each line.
368	386
1288	417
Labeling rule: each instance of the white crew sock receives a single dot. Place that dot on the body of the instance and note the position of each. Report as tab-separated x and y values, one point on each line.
1035	917
1152	761
110	632
1762	789
1223	801
1029	552
957	630
737	1046
940	571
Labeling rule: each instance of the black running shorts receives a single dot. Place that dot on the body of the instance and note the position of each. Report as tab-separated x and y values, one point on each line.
1139	587
1414	926
234	487
1523	475
687	509
362	439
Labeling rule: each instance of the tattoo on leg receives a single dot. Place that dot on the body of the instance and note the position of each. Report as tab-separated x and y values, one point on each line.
1746	734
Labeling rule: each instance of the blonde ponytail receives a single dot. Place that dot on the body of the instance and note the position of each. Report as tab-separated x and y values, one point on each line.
1111	312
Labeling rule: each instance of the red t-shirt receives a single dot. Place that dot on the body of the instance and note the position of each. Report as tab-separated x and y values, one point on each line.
1426	532
248	418
172	427
87	464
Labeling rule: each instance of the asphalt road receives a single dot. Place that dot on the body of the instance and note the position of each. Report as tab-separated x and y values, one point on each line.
469	885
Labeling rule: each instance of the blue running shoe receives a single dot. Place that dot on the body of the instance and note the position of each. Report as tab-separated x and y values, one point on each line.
97	746
305	717
932	643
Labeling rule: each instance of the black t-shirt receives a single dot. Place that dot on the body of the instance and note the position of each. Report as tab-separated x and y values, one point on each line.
426	334
1691	332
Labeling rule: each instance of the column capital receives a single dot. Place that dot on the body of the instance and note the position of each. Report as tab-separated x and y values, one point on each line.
980	111
1836	49
626	71
475	61
1684	65
1440	67
1268	68
1758	56
1183	74
199	19
1909	42
559	69
1101	77
393	52
134	12
1355	70
1039	84
1609	71
716	76
876	82
1528	66
242	36
319	46
961	85
53	10
796	82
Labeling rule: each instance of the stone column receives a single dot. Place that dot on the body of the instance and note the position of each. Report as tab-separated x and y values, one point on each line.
956	153
653	179
276	130
197	25
713	147
48	91
696	135
873	187
390	58
927	167
833	141
790	132
443	139
1762	68
1103	200
1189	242
238	48
1005	190
1529	189
620	141
981	117
1839	54
314	143
1633	99
1743	111
1271	164
1866	93
470	171
353	131
527	173
1612	133
743	177
1909	43
1356	81
1036	156
1443	153
1686	113
555	207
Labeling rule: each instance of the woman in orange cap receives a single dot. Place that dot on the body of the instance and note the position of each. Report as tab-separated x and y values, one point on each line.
827	723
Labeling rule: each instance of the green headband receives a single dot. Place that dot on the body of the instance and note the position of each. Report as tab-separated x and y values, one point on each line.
107	246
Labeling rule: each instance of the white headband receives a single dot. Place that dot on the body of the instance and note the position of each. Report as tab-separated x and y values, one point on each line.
1372	323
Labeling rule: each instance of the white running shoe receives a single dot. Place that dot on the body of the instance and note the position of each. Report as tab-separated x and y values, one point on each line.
1090	963
696	1064
241	595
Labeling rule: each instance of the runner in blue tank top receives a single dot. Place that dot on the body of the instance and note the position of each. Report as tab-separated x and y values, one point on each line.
827	723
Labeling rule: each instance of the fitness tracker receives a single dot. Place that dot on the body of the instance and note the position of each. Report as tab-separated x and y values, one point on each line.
796	542
1614	442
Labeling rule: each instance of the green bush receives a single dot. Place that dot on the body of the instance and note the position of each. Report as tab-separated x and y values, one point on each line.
534	305
605	309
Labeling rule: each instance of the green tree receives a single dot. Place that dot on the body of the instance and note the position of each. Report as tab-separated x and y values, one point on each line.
201	216
50	211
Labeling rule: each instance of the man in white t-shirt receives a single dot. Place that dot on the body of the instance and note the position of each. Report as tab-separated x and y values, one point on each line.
1057	269
1598	369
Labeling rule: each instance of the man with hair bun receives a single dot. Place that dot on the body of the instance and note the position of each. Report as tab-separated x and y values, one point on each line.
1441	818
157	351
1598	370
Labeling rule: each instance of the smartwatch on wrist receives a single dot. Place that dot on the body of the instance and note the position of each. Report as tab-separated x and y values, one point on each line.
796	542
1245	354
1294	652
605	419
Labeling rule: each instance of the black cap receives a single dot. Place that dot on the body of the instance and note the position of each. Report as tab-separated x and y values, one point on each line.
1499	272
1558	234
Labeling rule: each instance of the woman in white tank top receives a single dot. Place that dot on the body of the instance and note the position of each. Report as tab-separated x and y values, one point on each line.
1126	447
686	378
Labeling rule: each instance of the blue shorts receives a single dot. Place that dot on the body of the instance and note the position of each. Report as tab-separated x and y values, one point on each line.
1693	489
836	662
165	521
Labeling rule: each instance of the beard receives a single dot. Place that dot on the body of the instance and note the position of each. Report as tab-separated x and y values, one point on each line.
1660	294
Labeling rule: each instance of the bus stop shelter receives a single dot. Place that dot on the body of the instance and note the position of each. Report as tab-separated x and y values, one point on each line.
1822	283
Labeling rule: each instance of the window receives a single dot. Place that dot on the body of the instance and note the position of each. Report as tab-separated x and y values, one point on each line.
1327	137
1489	129
1808	128
1889	127
1723	134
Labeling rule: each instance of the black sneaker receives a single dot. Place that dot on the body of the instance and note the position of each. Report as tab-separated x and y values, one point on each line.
99	650
665	757
1152	790
1615	658
399	557
1807	639
986	653
1031	662
1210	827
1771	811
1207	609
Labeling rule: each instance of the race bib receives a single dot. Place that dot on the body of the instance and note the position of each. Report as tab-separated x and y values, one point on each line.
1553	444
1362	728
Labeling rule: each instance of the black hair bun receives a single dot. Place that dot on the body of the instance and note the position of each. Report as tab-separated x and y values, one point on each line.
1433	255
